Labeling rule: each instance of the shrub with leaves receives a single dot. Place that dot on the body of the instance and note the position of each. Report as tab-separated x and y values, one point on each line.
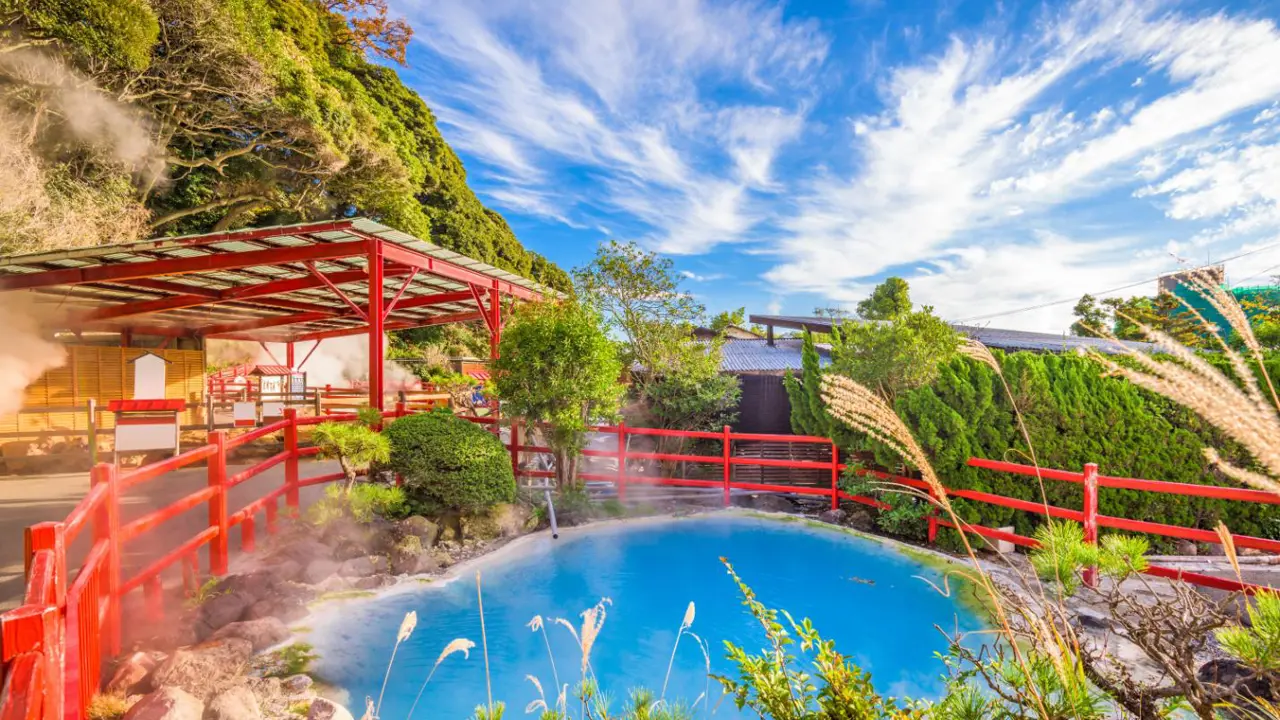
1257	644
450	466
362	503
355	446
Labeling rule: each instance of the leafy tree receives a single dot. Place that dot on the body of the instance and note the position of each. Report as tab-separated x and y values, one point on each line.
728	318
890	300
557	366
450	466
1122	318
355	446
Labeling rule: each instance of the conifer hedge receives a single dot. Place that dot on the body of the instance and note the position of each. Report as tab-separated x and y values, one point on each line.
1074	416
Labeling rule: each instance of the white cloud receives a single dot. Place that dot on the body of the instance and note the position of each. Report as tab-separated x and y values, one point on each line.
613	90
695	277
978	145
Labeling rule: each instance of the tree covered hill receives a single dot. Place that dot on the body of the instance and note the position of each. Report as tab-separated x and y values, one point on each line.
126	118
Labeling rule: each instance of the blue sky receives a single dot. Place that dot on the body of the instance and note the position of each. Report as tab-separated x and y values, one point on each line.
998	156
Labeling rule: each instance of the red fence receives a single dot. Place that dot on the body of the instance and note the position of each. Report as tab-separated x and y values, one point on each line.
52	646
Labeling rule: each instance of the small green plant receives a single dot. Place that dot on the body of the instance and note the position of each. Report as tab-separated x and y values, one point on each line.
1063	554
203	594
355	446
292	660
300	709
613	508
107	707
361	502
369	416
1257	645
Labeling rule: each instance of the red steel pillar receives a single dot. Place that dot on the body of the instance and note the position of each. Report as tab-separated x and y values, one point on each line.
288	354
1091	517
218	549
495	323
374	311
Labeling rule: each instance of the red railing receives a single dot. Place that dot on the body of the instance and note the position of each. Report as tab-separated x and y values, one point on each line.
52	646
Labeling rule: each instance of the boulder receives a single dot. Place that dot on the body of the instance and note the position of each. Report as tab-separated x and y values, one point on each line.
255	585
335	583
1184	547
1235	674
237	703
304	551
364	566
859	519
373	582
421	528
288	570
129	673
222	610
407	562
296	591
168	703
319	570
772	503
504	520
323	709
261	633
297	685
287	609
832	517
204	670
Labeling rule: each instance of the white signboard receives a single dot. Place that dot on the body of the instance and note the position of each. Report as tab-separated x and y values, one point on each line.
159	435
148	377
244	413
272	409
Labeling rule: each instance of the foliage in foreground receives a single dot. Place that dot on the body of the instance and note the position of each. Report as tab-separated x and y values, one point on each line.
362	503
356	446
449	465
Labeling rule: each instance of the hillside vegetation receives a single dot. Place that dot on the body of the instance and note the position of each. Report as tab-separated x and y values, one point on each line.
127	118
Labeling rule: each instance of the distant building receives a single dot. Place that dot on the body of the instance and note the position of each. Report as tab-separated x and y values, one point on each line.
733	332
1178	285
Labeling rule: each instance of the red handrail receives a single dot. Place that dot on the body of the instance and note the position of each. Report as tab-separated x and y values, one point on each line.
53	644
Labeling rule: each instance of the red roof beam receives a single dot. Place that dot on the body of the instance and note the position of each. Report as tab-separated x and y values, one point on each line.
406	325
391	305
261	323
181	266
337	291
401	255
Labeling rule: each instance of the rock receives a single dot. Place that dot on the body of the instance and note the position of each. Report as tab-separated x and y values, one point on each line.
222	610
305	551
832	517
1184	547
129	673
261	633
204	670
772	503
323	709
1093	621
237	703
319	570
860	519
168	703
288	571
1235	674
373	582
296	591
406	562
287	609
335	583
504	520
254	585
297	685
1214	550
421	528
364	566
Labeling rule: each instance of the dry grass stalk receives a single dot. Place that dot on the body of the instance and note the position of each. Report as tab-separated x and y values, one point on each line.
1237	408
1229	548
537	625
484	640
684	625
457	645
406	629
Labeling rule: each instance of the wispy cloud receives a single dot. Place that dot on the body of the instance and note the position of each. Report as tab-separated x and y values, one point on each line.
695	277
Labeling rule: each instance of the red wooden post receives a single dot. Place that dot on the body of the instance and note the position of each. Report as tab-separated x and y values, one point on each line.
218	553
401	409
106	527
51	536
1091	517
835	476
622	462
933	521
153	591
374	313
728	468
291	462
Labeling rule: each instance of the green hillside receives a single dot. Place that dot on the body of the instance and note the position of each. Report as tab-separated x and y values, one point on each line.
217	114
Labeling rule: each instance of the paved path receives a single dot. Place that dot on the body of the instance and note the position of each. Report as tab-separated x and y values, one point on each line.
26	501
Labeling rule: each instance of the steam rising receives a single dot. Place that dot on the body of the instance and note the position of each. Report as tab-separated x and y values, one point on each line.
338	361
25	354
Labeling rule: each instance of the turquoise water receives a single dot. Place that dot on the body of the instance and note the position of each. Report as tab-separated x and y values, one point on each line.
650	571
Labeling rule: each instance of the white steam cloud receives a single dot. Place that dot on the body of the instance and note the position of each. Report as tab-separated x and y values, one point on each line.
25	354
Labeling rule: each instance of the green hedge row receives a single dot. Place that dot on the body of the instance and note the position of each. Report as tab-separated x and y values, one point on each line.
1074	415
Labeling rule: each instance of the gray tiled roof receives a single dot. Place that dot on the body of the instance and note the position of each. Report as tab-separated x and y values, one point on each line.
1047	342
758	356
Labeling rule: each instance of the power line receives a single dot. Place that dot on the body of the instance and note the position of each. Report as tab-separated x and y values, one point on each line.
1113	290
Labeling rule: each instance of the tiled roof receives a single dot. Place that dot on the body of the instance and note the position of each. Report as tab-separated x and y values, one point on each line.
757	355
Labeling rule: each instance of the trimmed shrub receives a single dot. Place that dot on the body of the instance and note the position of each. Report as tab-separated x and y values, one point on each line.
450	465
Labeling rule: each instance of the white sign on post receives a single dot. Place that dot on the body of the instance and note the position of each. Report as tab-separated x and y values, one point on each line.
148	377
244	414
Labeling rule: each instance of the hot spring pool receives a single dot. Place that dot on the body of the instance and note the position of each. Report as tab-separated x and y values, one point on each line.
650	570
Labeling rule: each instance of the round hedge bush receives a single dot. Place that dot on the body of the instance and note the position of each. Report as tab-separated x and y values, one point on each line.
449	464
